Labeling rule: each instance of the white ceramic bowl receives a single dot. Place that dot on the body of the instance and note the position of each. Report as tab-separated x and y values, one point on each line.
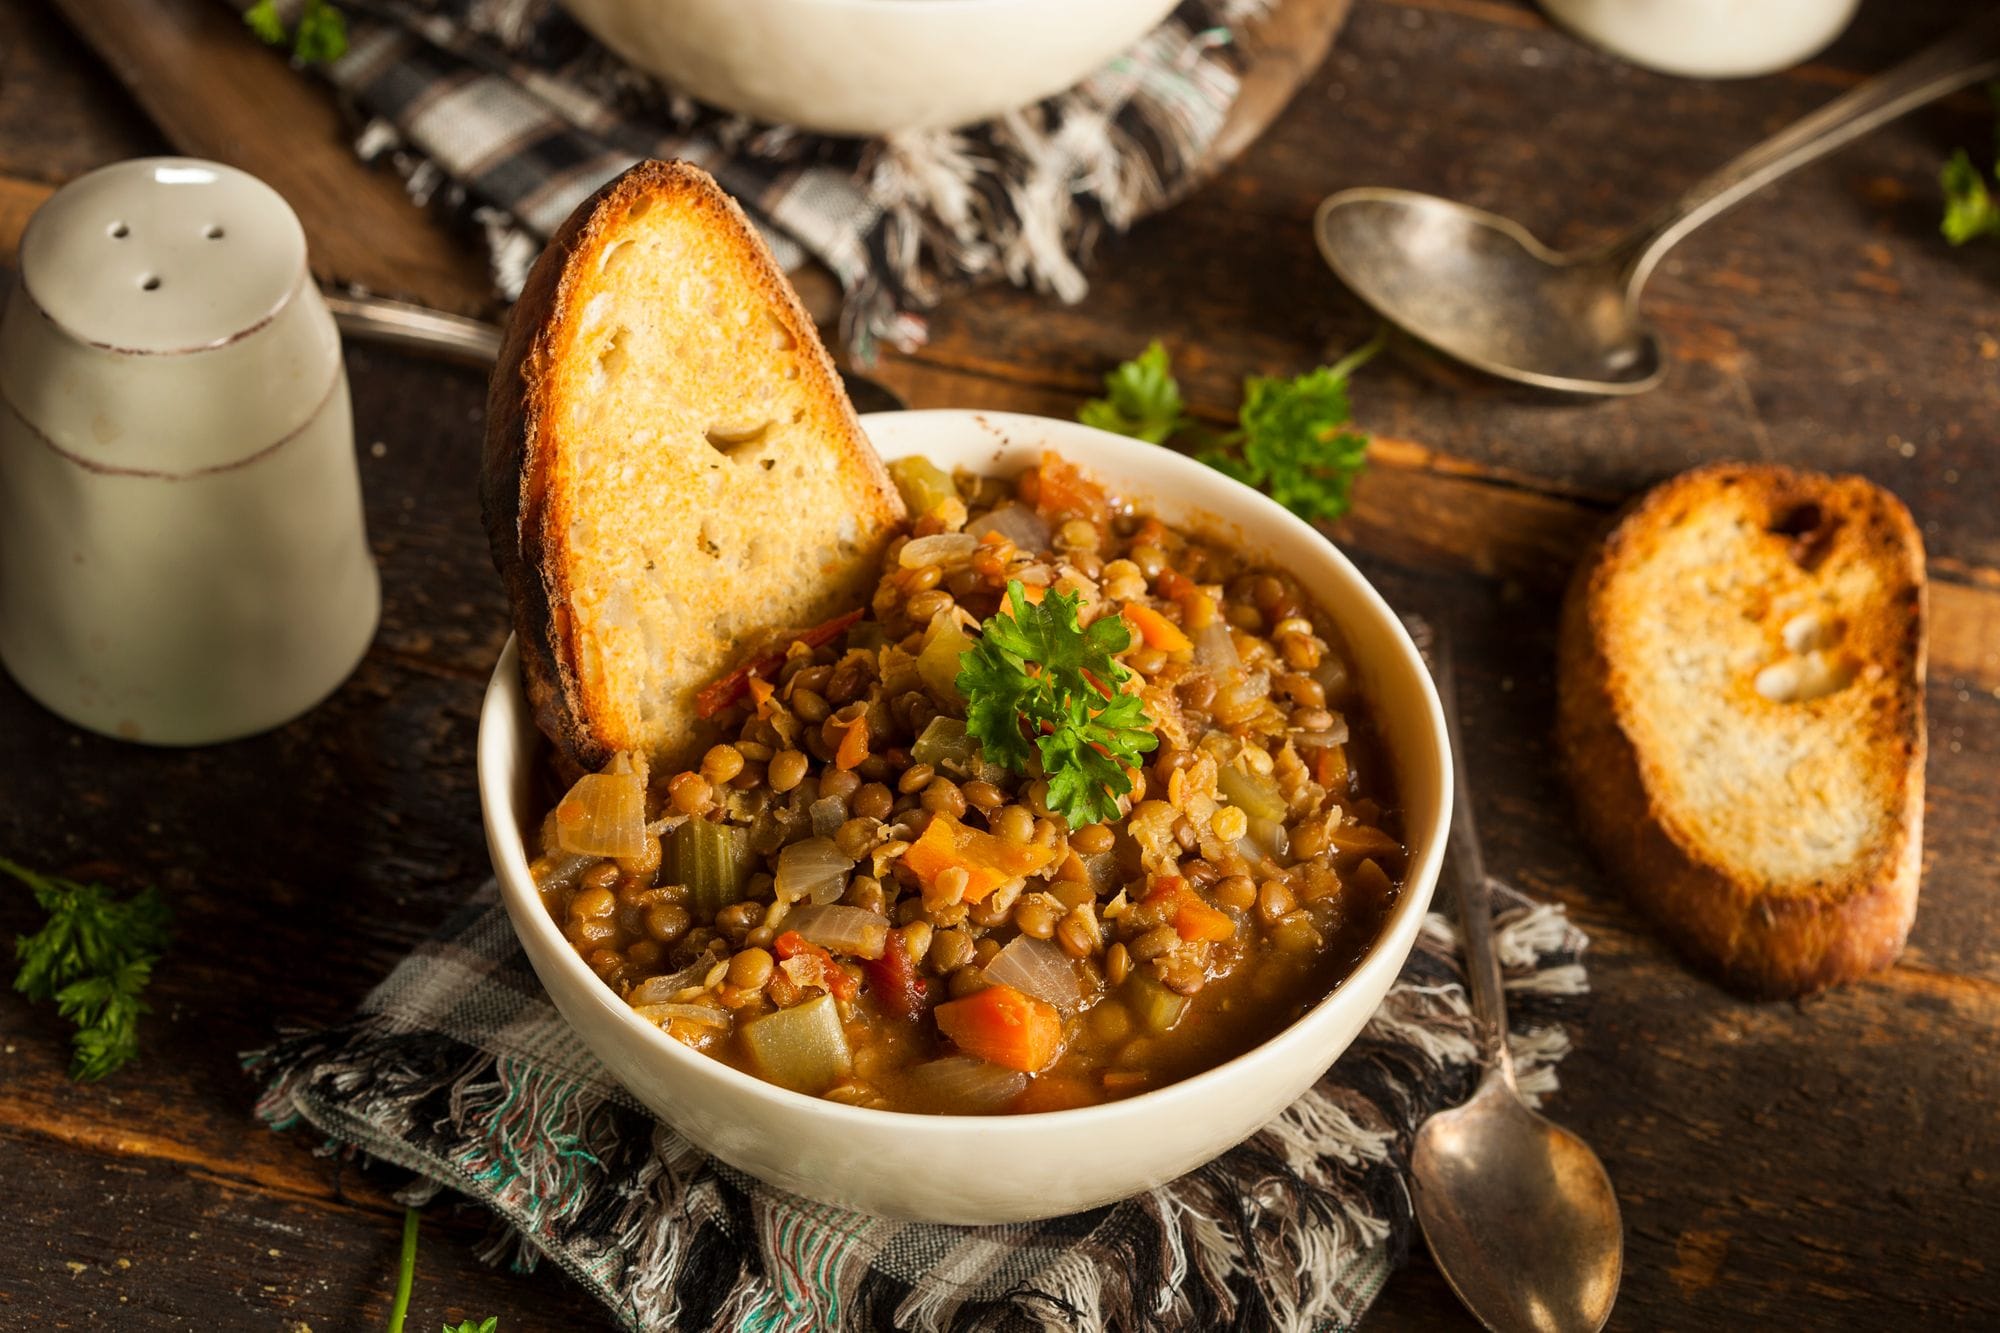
987	1169
869	66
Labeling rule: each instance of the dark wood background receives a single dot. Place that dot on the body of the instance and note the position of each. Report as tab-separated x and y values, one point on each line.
1832	1164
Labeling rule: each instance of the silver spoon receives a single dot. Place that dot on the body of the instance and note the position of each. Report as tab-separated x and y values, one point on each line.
1518	1211
1480	288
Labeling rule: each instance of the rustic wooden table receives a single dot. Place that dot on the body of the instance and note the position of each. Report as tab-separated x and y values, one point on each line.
1827	1165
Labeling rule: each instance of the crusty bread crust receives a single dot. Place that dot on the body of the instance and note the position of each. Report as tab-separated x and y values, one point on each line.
588	694
1715	897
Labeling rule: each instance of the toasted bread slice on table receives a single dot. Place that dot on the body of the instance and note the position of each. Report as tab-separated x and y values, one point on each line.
1741	711
672	467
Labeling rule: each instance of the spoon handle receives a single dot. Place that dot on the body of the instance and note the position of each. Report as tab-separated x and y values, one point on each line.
1465	873
1964	57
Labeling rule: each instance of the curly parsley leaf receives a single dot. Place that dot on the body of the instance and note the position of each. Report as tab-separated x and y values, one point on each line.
1295	439
486	1325
1035	665
320	38
1970	209
1142	399
94	957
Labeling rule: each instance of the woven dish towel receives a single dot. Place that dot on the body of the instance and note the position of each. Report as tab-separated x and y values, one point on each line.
508	110
458	1069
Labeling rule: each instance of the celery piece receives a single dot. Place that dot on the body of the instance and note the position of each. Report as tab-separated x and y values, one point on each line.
1255	795
938	663
714	861
923	483
803	1048
945	746
1157	1008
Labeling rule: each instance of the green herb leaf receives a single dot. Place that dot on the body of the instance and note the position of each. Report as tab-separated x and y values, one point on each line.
1142	399
319	39
94	958
486	1325
1035	665
1969	208
263	19
1294	440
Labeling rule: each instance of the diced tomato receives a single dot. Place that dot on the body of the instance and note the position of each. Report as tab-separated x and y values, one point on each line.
988	861
722	693
833	978
1004	1027
893	981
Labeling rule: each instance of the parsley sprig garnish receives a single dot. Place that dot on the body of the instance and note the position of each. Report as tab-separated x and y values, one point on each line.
320	37
1036	673
1293	436
94	958
1970	210
406	1277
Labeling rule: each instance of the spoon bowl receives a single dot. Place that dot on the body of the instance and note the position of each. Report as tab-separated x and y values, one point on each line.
1519	1214
1481	289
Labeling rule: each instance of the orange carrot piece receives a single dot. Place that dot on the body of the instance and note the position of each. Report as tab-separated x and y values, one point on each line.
1330	767
988	861
1004	1027
1157	630
853	745
721	693
1067	491
1193	919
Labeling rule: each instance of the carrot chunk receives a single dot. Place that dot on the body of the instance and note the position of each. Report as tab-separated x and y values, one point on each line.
1067	491
1004	1027
1193	919
1157	630
988	861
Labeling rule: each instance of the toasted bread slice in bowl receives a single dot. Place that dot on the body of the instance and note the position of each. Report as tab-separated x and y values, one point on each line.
1741	712
672	466
1059	1161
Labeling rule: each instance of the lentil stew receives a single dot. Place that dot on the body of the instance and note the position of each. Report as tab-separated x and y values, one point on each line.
850	897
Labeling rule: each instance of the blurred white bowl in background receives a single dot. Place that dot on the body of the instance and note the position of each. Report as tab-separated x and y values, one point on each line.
868	67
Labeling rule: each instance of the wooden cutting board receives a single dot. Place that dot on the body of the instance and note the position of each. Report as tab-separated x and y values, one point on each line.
215	92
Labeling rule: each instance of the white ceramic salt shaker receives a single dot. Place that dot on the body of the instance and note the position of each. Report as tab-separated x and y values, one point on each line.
182	556
1707	38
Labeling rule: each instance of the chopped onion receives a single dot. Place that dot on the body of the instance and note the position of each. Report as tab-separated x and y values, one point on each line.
959	1084
828	814
854	931
1333	676
1333	735
1017	523
945	745
662	989
1038	968
812	869
706	1015
604	814
942	548
560	870
1214	649
1266	837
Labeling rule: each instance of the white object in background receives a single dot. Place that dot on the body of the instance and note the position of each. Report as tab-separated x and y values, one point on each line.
869	66
182	557
1707	39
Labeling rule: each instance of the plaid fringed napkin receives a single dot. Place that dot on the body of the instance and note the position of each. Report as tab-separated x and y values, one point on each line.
511	111
459	1069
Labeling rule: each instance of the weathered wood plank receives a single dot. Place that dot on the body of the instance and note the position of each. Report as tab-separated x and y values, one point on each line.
215	93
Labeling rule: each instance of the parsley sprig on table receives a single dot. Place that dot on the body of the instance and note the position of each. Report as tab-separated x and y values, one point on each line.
1293	436
1036	672
94	958
406	1276
1970	209
320	38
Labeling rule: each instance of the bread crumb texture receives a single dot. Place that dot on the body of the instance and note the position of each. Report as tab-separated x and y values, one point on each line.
1763	634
